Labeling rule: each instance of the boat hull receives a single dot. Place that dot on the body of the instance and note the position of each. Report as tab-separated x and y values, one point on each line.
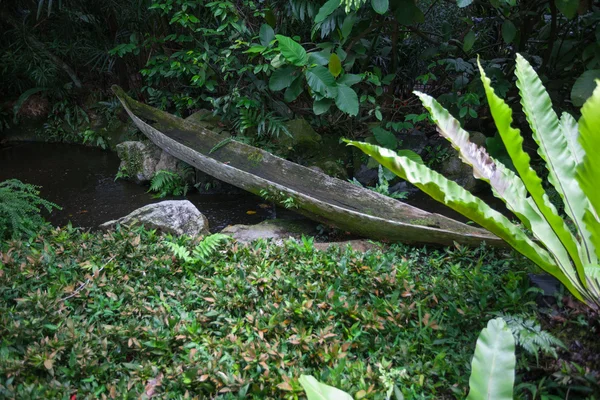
314	194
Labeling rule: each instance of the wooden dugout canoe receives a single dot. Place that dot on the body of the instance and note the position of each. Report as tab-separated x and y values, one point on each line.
316	195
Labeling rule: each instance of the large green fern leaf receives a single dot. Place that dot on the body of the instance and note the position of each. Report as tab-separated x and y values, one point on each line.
545	223
460	200
554	150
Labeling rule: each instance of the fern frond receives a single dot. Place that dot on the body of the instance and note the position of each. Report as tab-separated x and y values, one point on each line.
179	251
529	335
209	245
20	207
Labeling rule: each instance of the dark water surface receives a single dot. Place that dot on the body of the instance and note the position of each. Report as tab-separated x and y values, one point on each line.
81	180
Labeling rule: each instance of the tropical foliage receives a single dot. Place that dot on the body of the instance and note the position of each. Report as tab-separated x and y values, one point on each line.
105	314
257	64
567	242
492	369
20	207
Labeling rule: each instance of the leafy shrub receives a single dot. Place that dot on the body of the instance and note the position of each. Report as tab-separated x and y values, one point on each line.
133	316
567	247
492	372
20	207
167	183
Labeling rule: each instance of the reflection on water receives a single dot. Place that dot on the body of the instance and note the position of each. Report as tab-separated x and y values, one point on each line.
81	180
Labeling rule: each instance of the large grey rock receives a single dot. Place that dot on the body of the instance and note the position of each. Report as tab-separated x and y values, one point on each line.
179	217
275	229
138	160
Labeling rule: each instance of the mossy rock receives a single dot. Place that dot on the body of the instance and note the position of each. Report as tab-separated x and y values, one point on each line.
302	136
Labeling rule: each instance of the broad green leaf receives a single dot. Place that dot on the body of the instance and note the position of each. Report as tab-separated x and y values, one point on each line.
454	196
316	390
505	184
407	13
322	106
278	61
266	34
584	86
319	57
349	79
469	41
347	100
294	90
347	25
588	173
509	31
411	155
326	10
335	65
321	81
385	138
270	18
463	3
282	78
494	362
554	150
292	51
567	7
513	142
380	6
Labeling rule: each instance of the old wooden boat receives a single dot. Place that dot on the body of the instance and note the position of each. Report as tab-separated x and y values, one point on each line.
316	195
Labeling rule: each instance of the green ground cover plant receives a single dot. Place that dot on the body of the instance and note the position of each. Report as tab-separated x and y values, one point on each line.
119	315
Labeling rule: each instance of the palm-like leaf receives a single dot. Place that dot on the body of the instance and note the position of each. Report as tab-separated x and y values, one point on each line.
454	196
493	366
544	220
554	150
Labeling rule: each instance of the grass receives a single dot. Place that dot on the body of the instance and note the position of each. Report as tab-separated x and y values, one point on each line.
116	315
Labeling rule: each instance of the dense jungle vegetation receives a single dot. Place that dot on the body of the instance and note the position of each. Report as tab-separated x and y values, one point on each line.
137	313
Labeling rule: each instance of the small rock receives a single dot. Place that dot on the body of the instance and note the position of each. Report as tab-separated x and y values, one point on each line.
303	135
179	217
275	229
414	140
366	176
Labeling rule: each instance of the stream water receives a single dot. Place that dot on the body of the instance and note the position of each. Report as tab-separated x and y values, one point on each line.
82	181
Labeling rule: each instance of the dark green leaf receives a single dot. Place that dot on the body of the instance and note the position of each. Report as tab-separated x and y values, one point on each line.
584	87
322	106
567	7
319	58
509	31
469	41
385	138
380	6
294	90
321	81
282	78
326	10
349	79
347	100
407	13
266	35
292	51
